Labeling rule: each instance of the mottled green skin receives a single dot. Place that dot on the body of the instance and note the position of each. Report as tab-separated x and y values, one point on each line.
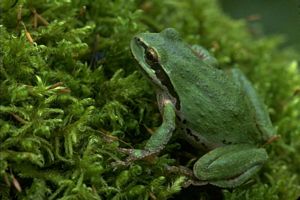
214	108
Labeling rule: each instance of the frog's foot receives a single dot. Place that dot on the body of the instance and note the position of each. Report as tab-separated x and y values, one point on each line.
191	179
204	55
272	139
135	154
139	154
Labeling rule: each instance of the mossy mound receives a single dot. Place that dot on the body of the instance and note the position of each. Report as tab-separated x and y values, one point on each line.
70	95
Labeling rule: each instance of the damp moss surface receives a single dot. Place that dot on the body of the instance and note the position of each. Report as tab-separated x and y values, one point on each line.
71	95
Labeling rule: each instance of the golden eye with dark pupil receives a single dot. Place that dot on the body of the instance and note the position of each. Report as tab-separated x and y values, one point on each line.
151	56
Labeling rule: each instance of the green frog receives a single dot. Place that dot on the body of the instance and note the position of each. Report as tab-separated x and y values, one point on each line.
216	110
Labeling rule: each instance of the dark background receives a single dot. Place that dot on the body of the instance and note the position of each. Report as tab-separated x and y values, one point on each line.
269	17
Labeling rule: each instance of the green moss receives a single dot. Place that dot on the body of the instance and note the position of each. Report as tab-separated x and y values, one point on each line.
71	97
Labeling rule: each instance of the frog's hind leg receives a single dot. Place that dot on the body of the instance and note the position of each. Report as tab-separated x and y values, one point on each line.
261	114
204	55
231	165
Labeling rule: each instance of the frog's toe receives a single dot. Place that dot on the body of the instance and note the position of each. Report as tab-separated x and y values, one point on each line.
194	183
119	163
191	179
135	154
126	151
204	55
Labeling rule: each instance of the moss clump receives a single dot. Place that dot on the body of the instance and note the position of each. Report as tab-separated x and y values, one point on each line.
70	95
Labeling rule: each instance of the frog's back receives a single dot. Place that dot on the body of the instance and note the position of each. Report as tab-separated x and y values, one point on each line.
212	106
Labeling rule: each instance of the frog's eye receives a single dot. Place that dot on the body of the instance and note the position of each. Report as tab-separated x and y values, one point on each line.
151	56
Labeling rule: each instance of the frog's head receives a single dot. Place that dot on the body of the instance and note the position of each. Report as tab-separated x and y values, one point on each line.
155	53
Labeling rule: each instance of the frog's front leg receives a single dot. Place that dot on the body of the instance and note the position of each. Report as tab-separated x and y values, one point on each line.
160	137
231	165
204	55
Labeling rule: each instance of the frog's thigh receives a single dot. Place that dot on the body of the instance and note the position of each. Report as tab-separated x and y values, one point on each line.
261	113
204	55
231	165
